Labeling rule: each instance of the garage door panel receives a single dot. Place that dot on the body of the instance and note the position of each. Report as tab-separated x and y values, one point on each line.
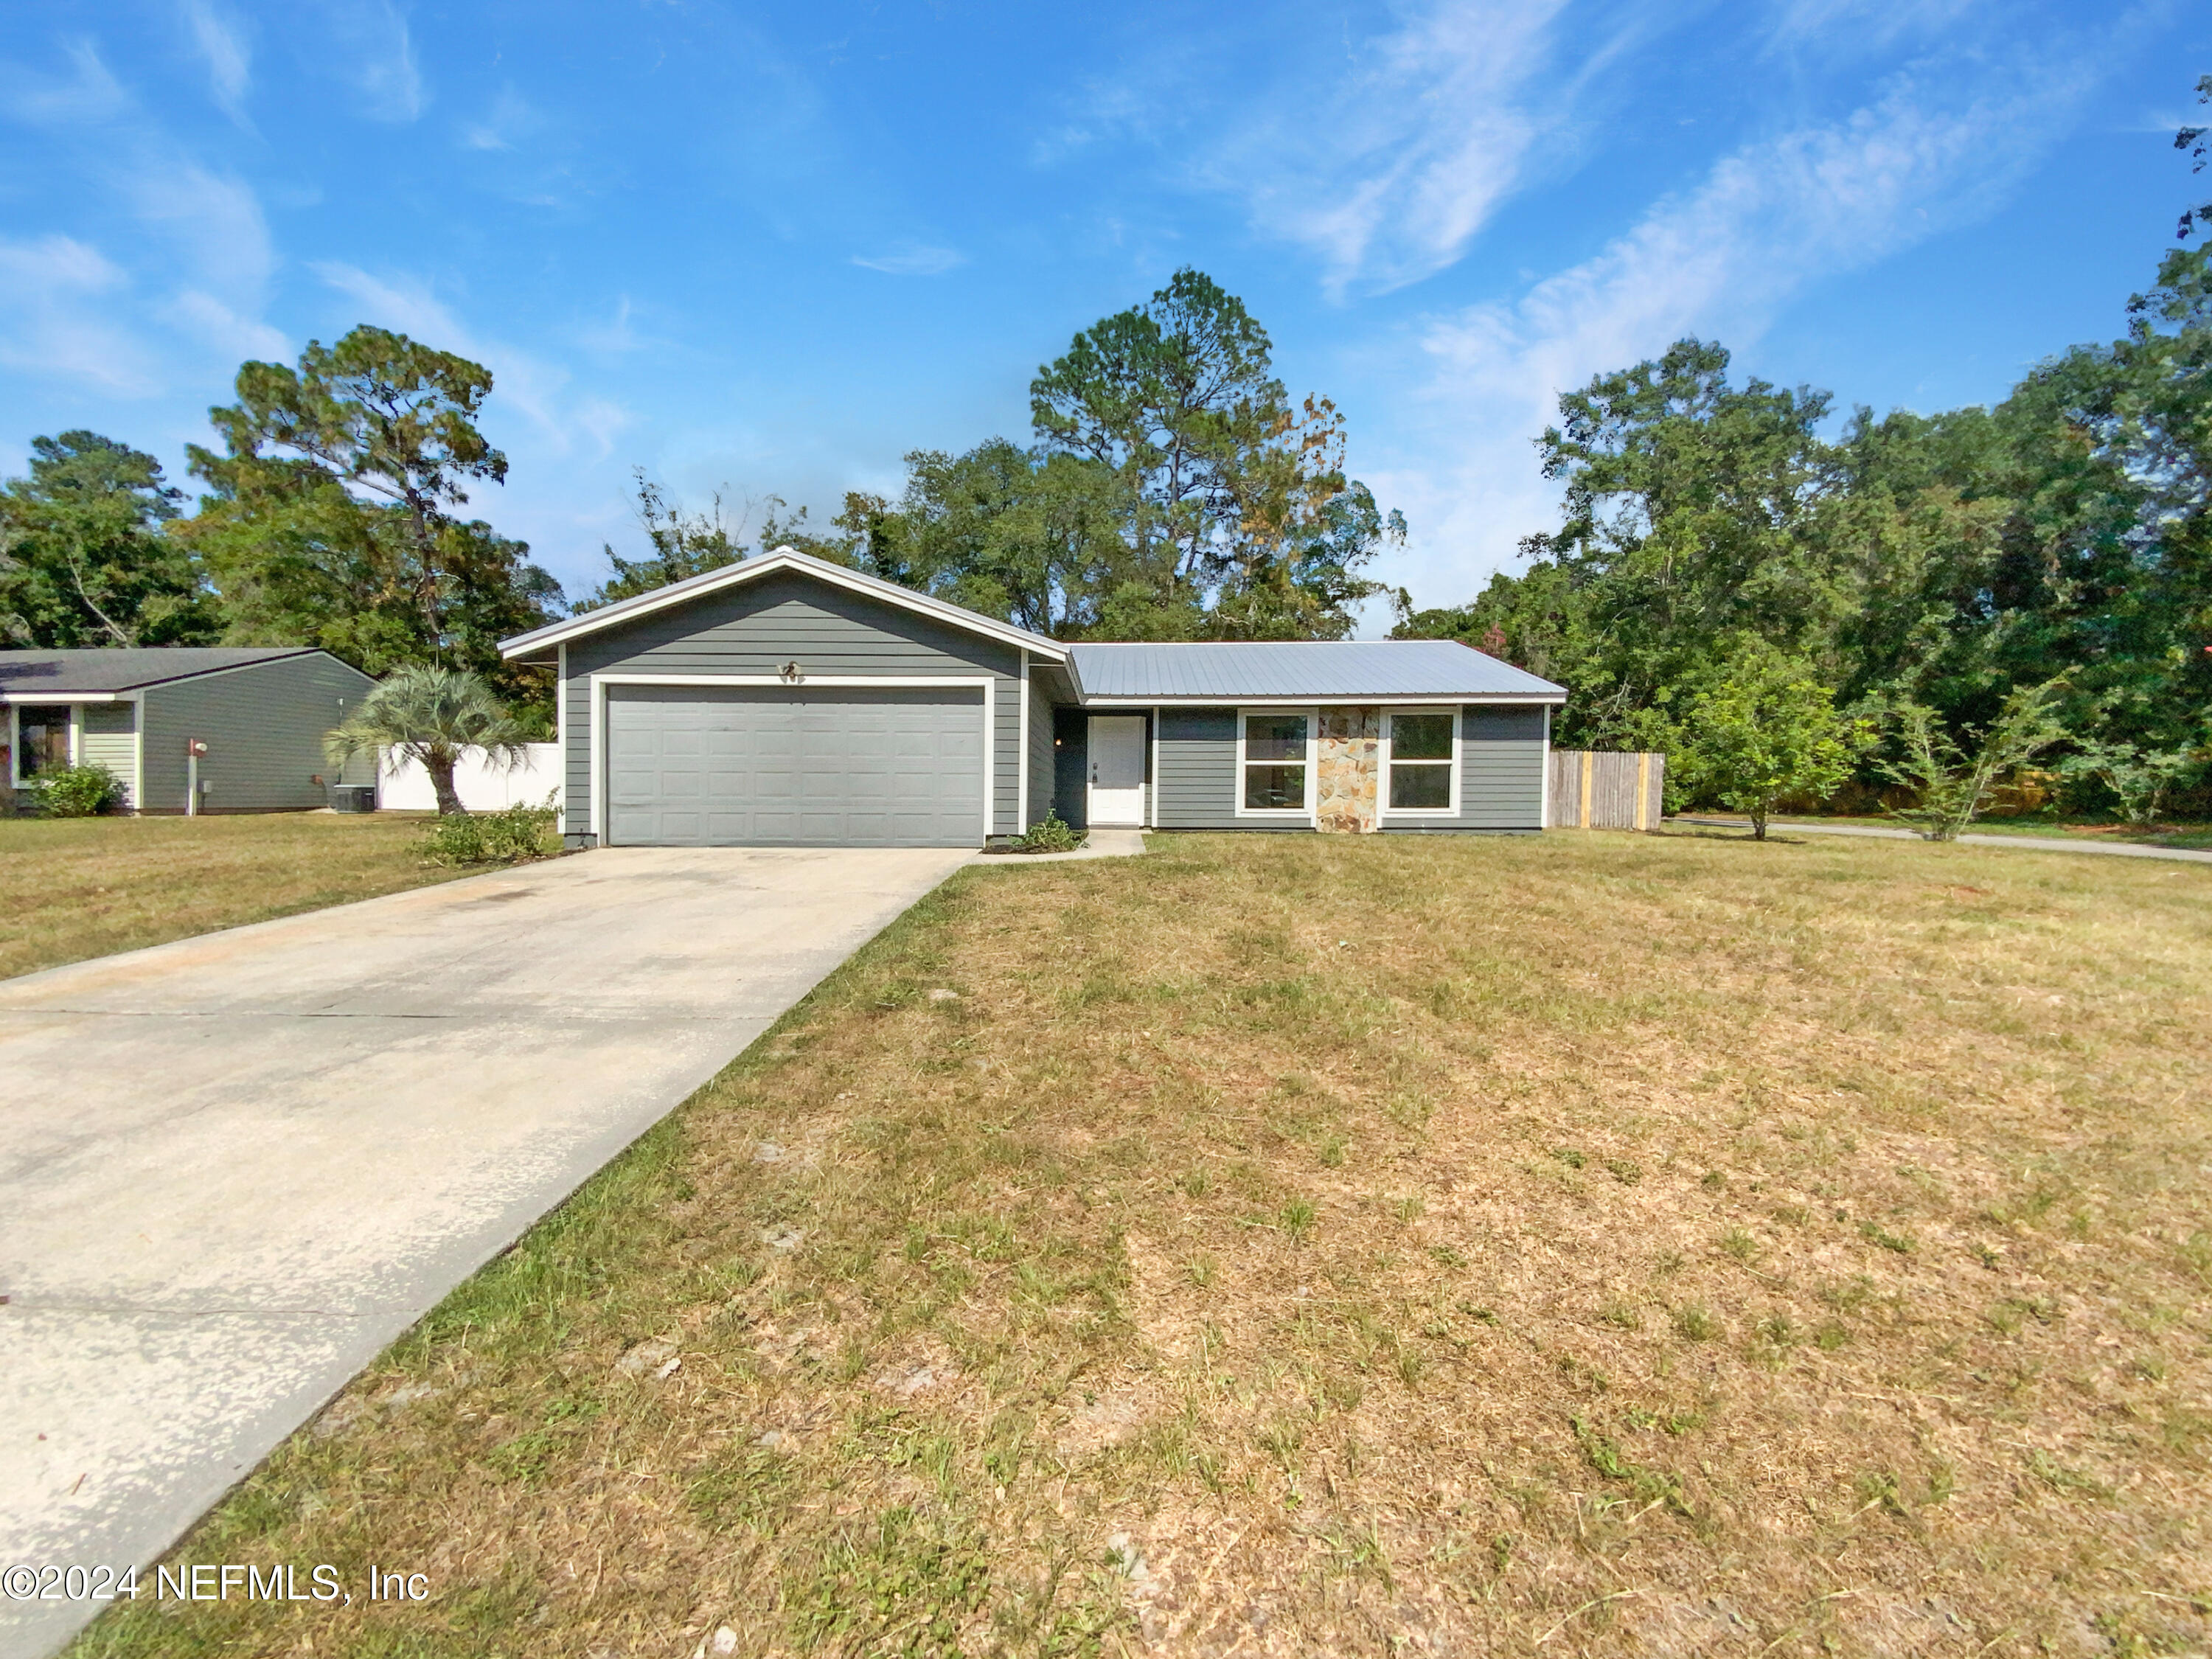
697	766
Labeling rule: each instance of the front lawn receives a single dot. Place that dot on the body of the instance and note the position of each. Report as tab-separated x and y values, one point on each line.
75	888
1577	1244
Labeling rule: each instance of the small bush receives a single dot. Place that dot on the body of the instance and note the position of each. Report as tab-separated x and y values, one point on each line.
514	836
74	792
1051	834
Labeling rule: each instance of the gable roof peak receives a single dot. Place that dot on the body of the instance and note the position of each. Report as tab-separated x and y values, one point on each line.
752	568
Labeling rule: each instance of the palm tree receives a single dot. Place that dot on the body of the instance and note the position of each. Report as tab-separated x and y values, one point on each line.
434	715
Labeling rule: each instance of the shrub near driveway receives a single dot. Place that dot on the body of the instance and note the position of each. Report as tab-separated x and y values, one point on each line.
1600	1243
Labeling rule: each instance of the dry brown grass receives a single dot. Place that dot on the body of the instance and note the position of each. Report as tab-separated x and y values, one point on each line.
76	888
1591	1244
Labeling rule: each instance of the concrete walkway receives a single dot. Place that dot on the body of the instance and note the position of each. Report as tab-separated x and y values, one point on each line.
2121	849
1097	844
234	1168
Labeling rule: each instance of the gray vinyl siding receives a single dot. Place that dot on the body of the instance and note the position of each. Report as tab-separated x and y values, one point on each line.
1071	761
263	728
1197	781
1501	772
109	737
756	628
1048	687
1501	780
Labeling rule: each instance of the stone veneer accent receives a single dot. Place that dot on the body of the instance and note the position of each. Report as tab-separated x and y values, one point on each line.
1348	761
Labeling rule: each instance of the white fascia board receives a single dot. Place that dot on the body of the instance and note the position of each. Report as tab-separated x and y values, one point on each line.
1434	699
768	564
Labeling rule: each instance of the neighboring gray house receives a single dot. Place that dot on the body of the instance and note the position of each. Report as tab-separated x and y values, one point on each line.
261	710
784	701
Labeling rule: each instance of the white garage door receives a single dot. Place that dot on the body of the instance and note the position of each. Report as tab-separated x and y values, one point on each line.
762	767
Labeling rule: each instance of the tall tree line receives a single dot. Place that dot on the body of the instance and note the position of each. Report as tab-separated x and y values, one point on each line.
1939	562
330	515
1171	488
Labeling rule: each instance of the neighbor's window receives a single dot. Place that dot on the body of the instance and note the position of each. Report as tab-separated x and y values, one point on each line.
45	739
1421	763
1275	762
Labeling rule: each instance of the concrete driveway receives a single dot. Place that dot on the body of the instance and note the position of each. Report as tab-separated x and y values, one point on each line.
234	1168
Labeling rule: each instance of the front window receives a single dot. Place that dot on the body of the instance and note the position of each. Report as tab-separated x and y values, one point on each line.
1421	763
1275	761
43	739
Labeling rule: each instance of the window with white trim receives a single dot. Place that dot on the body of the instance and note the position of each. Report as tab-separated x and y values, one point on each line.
1421	750
42	739
1275	762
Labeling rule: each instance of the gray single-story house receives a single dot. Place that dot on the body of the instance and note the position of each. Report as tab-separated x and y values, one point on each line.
260	710
784	701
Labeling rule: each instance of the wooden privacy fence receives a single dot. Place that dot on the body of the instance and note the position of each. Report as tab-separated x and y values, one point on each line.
1592	790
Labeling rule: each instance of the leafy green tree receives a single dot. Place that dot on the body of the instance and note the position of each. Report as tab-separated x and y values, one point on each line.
1176	493
1761	730
433	716
1033	538
1229	491
1943	560
684	544
1687	503
2139	779
2192	143
330	518
1954	781
83	560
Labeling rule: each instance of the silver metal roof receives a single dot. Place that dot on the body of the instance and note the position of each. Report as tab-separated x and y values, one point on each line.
1315	670
25	676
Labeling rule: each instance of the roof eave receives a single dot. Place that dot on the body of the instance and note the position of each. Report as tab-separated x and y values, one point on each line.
1309	699
279	653
540	644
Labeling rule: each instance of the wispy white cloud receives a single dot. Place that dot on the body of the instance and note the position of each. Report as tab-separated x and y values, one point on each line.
212	221
222	330
603	421
201	256
616	337
1768	220
1390	171
510	118
534	388
377	50
1857	27
58	316
221	40
87	94
913	259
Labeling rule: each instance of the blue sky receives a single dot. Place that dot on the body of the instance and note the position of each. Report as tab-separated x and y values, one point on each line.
771	248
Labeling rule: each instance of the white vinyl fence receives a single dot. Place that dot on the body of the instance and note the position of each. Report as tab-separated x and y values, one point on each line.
484	786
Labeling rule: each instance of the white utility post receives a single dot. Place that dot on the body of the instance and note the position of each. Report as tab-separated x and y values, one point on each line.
194	748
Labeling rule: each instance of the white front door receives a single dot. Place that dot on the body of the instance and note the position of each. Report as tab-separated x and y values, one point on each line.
1118	771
